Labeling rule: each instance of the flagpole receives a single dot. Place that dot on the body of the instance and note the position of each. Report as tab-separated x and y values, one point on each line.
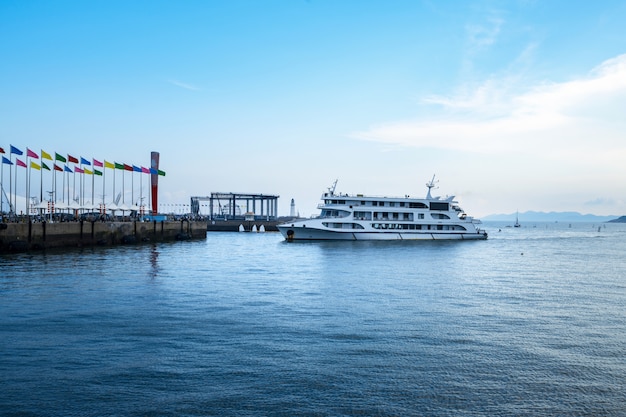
82	185
93	184
10	183
54	190
104	181
41	180
29	173
15	189
27	184
1	184
140	191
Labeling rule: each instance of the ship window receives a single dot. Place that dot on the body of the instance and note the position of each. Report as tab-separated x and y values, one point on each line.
392	204
440	206
420	215
418	205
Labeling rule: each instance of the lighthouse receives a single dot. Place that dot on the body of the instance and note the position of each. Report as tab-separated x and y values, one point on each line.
292	211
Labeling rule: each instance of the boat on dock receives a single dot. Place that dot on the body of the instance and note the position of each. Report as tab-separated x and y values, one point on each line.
362	217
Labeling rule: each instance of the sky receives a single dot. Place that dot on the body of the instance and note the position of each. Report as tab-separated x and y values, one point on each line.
513	105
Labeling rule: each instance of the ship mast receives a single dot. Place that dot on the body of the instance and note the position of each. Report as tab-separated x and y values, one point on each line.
430	185
331	189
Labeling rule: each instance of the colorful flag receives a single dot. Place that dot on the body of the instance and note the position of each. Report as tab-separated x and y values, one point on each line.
97	163
127	167
31	154
67	169
145	170
2	150
136	169
153	171
84	161
88	172
119	166
58	157
161	172
15	150
35	165
6	161
77	169
70	158
45	155
108	164
20	163
96	172
44	166
57	168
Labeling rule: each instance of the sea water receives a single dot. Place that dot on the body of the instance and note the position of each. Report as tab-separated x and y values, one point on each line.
531	321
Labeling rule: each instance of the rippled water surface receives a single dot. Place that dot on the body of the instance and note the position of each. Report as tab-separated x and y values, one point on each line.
529	322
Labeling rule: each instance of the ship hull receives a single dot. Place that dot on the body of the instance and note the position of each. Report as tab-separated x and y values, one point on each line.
293	233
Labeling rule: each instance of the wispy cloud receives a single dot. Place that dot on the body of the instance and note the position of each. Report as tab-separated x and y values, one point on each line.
183	85
483	35
574	117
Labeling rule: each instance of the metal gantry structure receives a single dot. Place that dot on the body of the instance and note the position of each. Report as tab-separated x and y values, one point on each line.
237	206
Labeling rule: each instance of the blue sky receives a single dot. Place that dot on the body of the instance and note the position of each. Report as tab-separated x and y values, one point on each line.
514	105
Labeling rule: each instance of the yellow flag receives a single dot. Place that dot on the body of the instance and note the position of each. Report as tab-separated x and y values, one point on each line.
86	171
45	155
34	165
108	164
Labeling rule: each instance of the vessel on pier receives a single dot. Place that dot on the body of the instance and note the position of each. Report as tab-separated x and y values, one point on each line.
362	217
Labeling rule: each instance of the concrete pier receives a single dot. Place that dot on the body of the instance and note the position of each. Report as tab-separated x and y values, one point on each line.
248	225
19	237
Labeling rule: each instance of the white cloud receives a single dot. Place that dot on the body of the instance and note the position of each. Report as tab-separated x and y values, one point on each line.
575	117
481	36
184	85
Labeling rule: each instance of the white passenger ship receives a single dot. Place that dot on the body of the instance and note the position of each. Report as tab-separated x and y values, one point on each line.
360	217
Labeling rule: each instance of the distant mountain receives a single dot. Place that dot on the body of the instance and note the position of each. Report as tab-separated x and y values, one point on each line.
622	219
564	216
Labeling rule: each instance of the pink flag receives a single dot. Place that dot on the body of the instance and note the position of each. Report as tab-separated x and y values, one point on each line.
145	170
80	171
31	154
20	163
97	163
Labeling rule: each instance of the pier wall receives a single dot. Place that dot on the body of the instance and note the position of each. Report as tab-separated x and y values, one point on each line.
248	225
17	237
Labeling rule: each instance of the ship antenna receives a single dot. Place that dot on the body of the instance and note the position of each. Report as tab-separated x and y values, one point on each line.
430	185
331	190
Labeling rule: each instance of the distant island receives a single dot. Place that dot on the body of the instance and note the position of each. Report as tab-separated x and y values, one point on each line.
565	216
621	219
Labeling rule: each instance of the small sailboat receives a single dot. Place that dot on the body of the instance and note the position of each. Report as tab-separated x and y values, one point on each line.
516	220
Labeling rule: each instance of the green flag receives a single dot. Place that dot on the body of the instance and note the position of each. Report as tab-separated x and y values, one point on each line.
59	157
96	172
119	166
44	166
